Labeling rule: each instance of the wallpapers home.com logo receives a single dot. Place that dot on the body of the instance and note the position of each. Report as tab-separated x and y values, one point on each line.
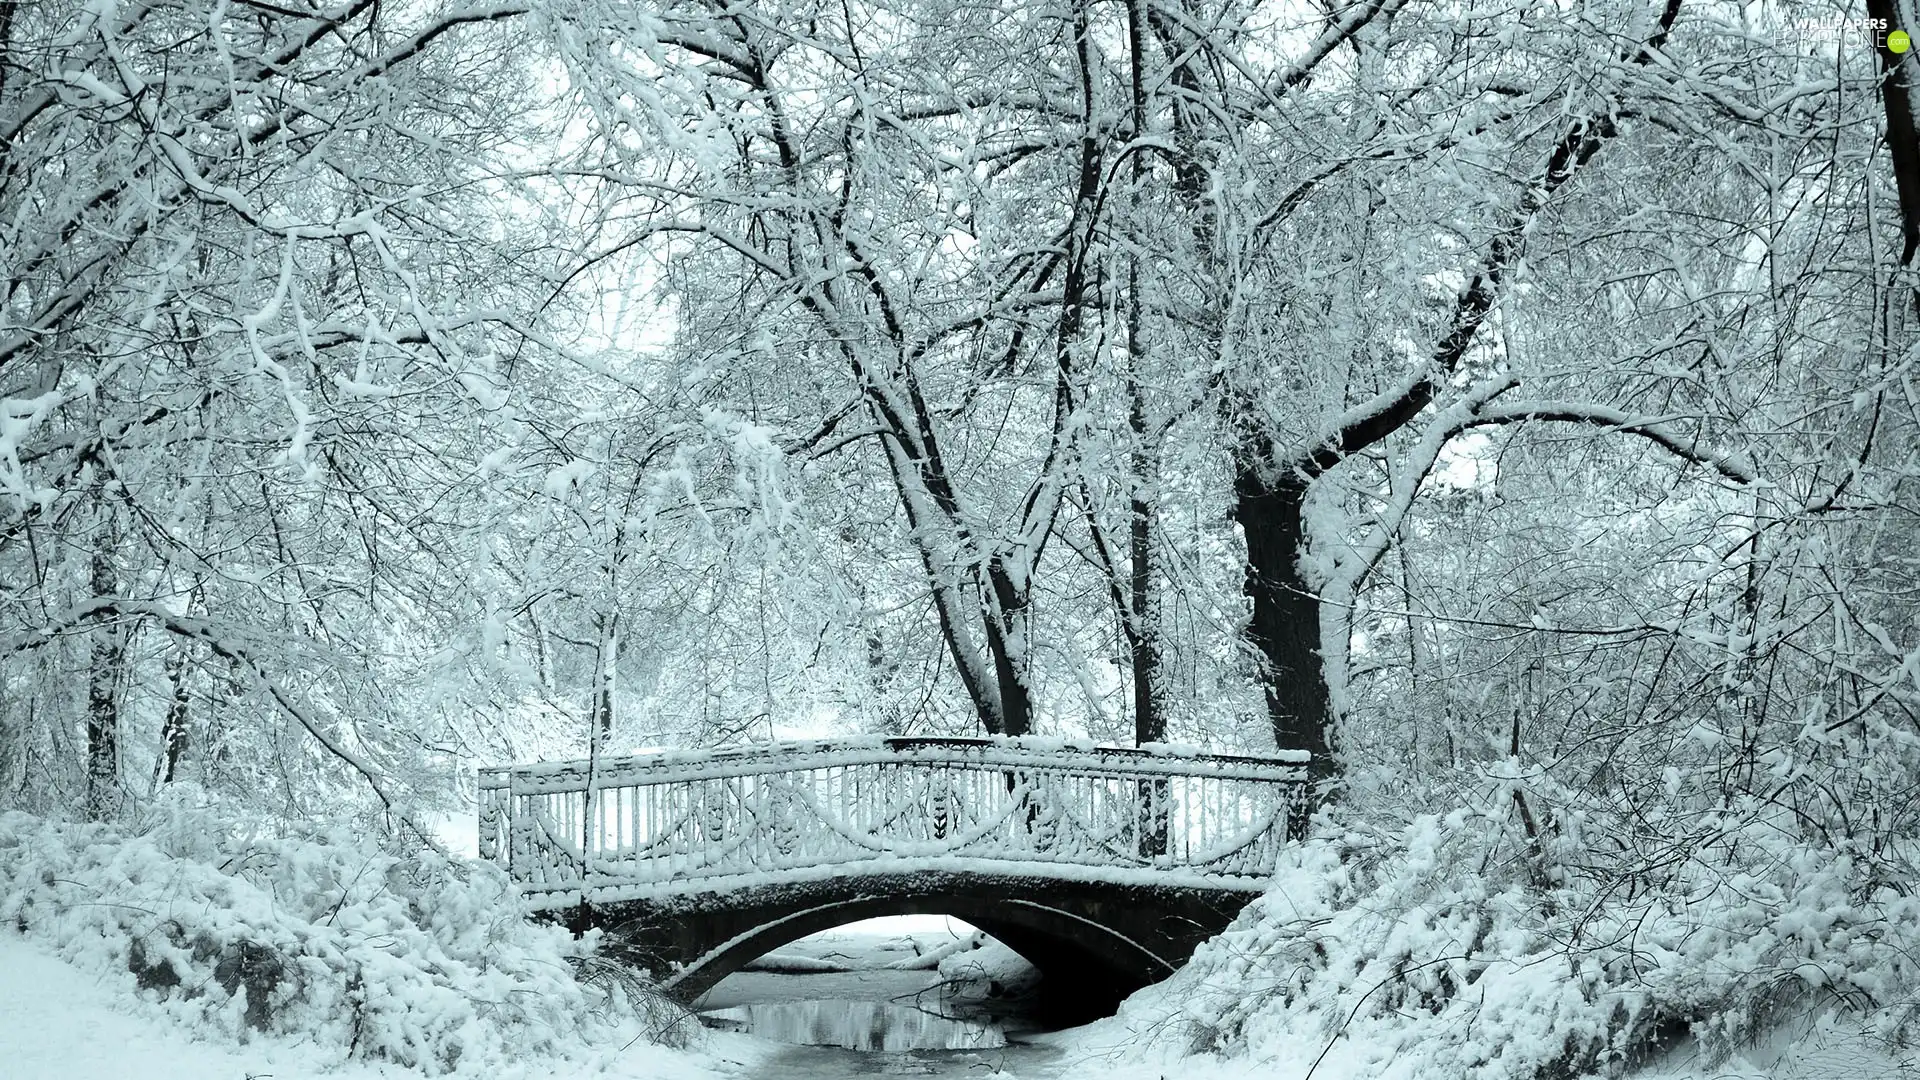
1874	32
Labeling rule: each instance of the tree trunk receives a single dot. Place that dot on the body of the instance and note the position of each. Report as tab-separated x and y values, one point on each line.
606	672
103	700
7	8
1149	721
542	649
1900	75
1139	615
1006	627
218	729
1285	629
175	739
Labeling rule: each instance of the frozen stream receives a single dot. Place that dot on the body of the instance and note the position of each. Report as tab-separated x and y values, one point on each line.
872	1021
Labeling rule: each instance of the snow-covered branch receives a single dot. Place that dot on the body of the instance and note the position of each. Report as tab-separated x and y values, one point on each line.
1731	464
229	644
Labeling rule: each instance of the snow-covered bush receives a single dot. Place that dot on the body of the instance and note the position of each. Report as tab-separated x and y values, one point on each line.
414	958
1478	945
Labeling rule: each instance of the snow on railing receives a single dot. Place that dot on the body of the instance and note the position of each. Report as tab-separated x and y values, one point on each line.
620	828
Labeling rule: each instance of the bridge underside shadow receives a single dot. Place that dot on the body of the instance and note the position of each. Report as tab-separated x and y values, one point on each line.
1094	943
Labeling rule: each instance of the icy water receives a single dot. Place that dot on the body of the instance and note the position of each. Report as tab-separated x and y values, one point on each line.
871	1023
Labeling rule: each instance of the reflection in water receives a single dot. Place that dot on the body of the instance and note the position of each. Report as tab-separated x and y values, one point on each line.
859	1025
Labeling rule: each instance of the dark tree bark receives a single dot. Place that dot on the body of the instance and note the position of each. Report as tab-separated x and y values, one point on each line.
1138	615
7	8
1006	643
1285	628
1900	74
1270	490
1149	720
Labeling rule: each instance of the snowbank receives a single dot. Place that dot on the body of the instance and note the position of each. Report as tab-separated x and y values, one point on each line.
1458	948
57	1024
987	973
417	959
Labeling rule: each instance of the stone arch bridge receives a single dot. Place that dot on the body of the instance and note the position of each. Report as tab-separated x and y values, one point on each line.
1103	867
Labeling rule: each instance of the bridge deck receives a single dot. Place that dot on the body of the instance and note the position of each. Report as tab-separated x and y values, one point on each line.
653	826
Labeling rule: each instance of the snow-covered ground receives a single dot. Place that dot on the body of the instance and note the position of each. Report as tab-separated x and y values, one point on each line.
58	1022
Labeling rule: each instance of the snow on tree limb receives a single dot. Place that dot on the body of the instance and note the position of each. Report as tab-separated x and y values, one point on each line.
1341	29
1479	408
1396	407
1406	479
1732	464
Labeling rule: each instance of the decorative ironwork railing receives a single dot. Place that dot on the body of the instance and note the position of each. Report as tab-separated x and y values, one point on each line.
619	828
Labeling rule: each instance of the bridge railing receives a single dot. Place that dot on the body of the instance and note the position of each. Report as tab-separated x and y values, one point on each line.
682	821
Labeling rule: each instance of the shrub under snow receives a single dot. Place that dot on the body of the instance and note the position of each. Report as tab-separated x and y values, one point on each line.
418	959
1464	948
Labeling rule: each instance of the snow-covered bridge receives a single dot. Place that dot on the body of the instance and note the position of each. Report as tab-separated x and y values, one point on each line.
1105	867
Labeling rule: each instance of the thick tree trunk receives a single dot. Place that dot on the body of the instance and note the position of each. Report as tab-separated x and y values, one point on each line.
103	699
1006	627
1269	499
1149	721
1139	609
1900	76
1143	625
1143	642
1285	629
7	9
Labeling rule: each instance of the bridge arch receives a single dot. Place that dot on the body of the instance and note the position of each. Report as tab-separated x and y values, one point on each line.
1062	943
1094	943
